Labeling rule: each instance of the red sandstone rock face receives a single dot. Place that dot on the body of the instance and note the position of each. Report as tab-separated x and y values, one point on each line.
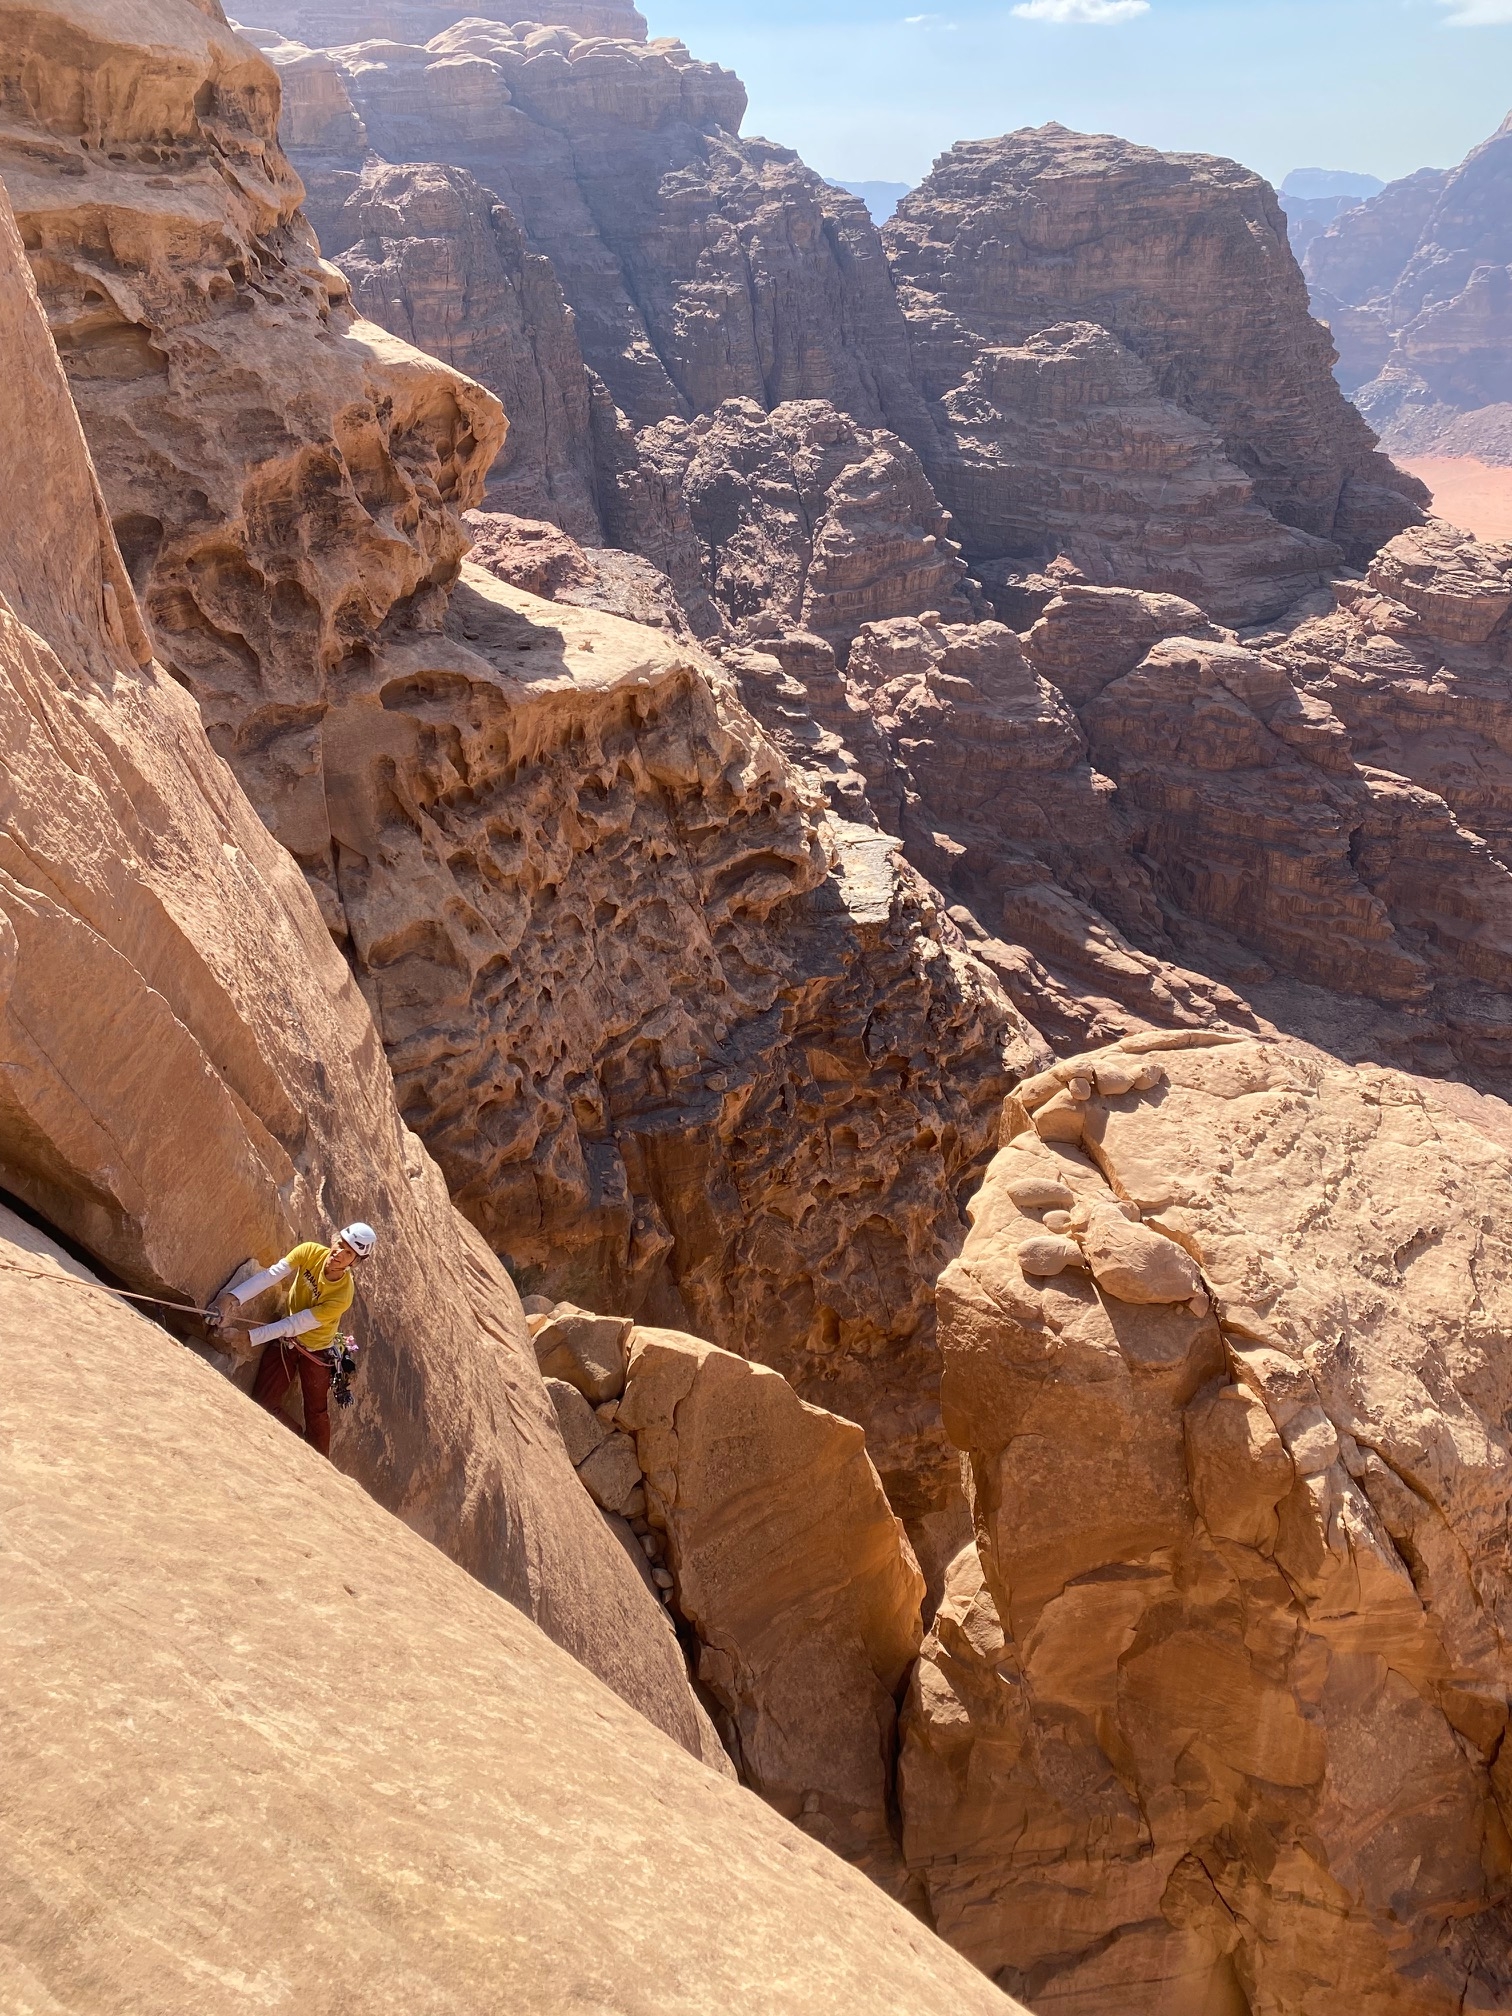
1191	271
1062	444
1418	284
1212	1716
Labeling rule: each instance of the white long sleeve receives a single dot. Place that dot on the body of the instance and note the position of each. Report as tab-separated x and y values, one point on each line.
286	1326
244	1291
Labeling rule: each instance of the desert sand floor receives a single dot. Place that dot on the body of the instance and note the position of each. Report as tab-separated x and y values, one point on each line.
1476	496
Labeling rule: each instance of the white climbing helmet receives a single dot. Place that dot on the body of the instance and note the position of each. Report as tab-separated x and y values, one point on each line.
361	1238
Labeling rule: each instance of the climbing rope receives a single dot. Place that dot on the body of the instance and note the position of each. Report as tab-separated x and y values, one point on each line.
120	1294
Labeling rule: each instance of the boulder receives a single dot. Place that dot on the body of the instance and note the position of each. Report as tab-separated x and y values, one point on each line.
612	1474
793	1571
587	1351
1136	1264
582	1431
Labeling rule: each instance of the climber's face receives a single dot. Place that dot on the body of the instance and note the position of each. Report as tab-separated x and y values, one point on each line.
341	1258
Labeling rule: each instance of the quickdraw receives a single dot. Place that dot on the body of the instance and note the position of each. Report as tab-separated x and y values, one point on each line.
340	1360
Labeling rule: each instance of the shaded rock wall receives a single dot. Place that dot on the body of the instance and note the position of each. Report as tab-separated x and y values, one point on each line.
432	256
190	1075
1212	1715
765	1527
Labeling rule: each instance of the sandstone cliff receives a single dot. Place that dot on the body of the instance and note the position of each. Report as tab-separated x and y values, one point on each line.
1163	414
433	257
1417	286
1212	1717
190	1075
1184	261
262	1741
681	1044
701	266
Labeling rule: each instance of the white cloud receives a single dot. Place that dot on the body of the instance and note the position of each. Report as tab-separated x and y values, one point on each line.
1100	13
1479	13
927	21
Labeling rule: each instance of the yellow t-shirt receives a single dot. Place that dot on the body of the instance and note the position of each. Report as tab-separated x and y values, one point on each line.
309	1289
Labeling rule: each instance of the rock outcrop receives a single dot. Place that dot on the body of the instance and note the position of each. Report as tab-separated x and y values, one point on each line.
239	1695
793	520
766	1530
188	1074
1417	287
1212	1716
535	555
1184	261
991	784
430	255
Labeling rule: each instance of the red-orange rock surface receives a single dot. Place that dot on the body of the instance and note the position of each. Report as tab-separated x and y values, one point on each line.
188	1074
238	1694
1212	1715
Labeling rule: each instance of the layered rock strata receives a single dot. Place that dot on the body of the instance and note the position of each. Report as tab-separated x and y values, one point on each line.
189	1076
434	258
1212	1716
1184	260
701	266
1417	286
1063	445
349	1739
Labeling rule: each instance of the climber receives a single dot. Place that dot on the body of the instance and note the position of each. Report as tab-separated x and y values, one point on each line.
299	1345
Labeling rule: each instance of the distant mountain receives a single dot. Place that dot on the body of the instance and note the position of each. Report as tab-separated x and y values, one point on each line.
1317	185
1416	286
881	198
1313	197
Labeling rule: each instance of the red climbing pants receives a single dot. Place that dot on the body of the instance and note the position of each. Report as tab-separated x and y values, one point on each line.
281	1366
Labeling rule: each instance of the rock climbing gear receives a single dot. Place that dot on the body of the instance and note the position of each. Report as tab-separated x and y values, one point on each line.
340	1360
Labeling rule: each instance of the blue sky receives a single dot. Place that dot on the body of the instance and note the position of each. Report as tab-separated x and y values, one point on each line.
866	90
